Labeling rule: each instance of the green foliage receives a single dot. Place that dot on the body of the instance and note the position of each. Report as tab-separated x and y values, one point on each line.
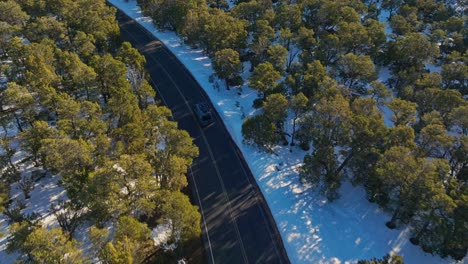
277	55
32	140
275	107
227	64
356	70
123	187
261	131
130	244
170	14
73	159
52	246
183	217
314	74
321	168
264	78
12	18
404	112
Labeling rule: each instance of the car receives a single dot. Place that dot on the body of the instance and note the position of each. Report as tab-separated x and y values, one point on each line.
203	113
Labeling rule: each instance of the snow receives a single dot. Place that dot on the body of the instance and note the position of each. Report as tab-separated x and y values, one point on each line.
45	192
383	17
384	76
161	234
313	230
433	68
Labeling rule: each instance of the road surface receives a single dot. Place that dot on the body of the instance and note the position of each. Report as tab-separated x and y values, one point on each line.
236	222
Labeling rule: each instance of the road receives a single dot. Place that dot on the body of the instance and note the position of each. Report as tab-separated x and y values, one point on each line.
236	221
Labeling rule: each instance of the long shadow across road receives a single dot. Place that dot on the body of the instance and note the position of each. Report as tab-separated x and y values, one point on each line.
236	222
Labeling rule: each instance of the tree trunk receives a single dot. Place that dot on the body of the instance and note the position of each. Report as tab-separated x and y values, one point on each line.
293	132
345	162
227	83
18	123
415	239
391	224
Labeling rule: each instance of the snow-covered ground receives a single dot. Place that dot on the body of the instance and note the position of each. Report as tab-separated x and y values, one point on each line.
313	230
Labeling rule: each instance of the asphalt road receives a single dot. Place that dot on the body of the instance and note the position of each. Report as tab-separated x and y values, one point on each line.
236	221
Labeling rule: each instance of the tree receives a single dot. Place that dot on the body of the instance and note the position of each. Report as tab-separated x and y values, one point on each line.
47	28
429	229
275	108
408	182
288	16
404	112
78	78
74	160
428	80
327	127
170	14
443	101
111	74
264	78
263	35
128	227
459	119
222	31
93	18
367	139
353	38
435	141
136	73
68	216
306	41
80	120
407	54
379	91
52	246
131	57
330	120
123	187
227	65
32	140
401	135
250	11
320	168
19	103
183	217
98	238
130	244
314	74
261	131
455	75
402	25
13	18
171	162
277	55
356	71
299	104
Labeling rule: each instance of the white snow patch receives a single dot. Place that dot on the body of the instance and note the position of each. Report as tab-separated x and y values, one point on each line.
161	234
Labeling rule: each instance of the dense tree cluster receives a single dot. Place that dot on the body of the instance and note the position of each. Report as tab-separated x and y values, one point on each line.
84	109
320	61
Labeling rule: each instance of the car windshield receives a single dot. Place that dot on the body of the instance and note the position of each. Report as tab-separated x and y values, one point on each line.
206	118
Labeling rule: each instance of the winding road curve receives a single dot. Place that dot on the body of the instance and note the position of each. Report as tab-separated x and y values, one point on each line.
237	224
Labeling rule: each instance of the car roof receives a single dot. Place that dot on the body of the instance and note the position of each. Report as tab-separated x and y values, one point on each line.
203	107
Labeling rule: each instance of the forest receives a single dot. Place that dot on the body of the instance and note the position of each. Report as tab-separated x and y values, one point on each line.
381	104
76	103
